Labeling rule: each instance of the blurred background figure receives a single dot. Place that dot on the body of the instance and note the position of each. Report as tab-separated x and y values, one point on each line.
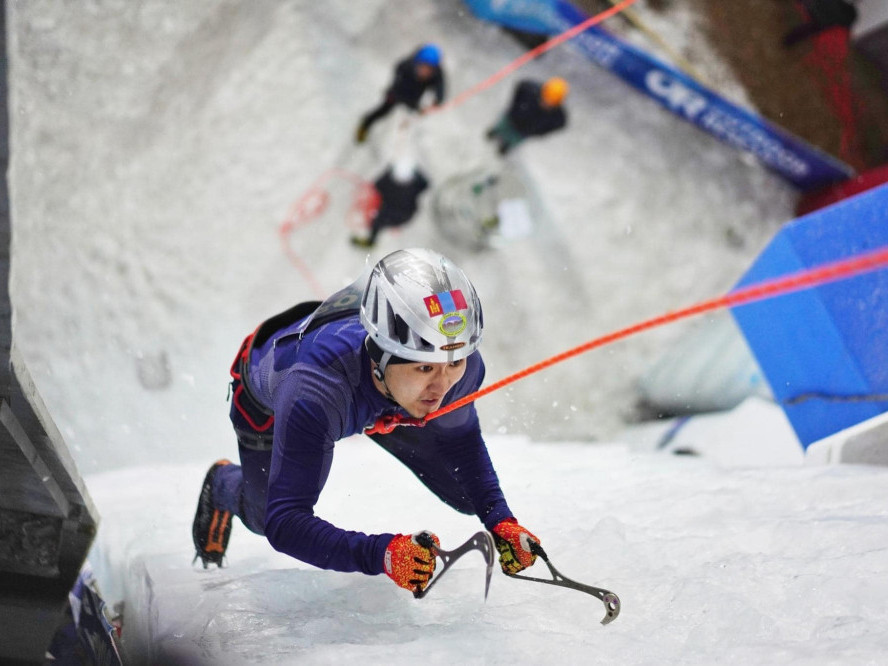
536	109
399	188
414	75
822	15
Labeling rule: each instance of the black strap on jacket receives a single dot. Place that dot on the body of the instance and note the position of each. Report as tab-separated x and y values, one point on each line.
344	303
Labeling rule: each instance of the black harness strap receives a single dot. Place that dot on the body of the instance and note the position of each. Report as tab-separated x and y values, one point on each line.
342	304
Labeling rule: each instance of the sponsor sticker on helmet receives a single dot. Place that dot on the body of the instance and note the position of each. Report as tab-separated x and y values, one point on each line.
452	346
446	301
452	324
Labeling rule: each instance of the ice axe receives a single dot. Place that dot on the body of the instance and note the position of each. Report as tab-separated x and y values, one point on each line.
480	541
610	600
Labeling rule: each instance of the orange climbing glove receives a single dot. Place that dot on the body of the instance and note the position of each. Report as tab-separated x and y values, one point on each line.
513	543
408	563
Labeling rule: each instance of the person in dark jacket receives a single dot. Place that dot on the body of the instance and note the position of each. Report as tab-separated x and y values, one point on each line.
536	109
399	188
414	75
397	344
822	15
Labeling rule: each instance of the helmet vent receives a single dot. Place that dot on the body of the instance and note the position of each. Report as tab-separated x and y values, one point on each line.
396	310
402	330
389	318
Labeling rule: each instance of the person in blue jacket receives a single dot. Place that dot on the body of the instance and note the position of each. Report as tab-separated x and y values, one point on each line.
414	75
400	343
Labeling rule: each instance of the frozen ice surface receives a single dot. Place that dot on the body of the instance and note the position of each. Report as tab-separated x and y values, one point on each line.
156	149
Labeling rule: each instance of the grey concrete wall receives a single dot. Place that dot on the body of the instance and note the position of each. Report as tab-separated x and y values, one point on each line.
47	521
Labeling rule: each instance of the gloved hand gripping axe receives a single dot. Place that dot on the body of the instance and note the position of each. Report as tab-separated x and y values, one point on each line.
480	541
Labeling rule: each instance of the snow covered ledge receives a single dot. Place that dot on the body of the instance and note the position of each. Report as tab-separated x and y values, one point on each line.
865	443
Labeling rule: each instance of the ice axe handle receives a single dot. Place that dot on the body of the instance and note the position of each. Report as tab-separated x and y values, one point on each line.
425	540
481	541
610	600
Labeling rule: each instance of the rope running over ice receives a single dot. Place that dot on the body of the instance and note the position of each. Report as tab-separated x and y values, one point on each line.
806	279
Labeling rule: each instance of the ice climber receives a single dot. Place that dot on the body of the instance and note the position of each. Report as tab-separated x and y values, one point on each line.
536	109
401	341
414	75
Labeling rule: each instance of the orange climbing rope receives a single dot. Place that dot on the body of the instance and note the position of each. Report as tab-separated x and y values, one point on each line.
315	200
830	272
530	55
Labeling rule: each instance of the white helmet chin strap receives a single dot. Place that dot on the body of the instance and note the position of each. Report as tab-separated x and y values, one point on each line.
379	370
382	366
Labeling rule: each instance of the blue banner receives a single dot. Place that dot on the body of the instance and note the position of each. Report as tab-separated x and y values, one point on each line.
800	163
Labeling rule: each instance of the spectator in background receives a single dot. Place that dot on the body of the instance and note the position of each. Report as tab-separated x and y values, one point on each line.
536	109
822	15
399	188
828	27
414	75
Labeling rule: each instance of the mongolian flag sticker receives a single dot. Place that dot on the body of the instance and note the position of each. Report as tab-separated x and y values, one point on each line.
446	301
446	305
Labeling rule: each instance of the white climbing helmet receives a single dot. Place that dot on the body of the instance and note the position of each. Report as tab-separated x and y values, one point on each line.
418	306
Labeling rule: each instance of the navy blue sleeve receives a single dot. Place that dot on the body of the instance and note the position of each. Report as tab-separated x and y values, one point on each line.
303	452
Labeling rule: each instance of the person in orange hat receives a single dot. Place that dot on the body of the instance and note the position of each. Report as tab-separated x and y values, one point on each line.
536	109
